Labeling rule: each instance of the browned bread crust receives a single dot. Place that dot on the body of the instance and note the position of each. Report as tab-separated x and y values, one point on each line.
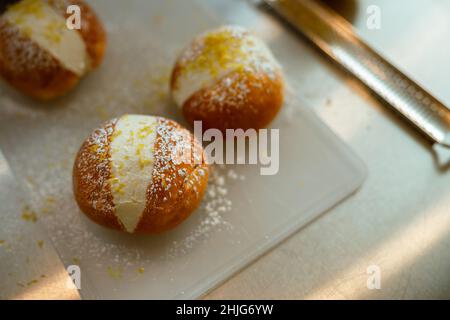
236	82
173	196
253	108
91	173
31	69
174	191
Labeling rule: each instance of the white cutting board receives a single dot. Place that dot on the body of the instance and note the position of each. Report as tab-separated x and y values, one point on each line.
254	212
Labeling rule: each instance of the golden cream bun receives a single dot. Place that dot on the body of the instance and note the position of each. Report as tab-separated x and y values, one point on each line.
39	54
140	174
228	79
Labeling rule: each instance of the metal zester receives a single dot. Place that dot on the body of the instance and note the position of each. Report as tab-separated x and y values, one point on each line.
336	37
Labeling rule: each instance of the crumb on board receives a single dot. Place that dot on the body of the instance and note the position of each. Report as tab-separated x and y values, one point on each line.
31	282
50	200
29	215
48	205
40	243
141	270
6	245
30	180
102	112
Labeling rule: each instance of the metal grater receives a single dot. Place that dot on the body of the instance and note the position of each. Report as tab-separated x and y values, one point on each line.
335	36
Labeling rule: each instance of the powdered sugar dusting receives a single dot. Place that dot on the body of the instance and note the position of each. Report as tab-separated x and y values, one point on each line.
232	90
21	54
216	205
216	54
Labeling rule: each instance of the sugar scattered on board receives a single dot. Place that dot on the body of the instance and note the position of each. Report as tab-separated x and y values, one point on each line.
214	208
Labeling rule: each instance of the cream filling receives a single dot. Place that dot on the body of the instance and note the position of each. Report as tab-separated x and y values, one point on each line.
256	56
46	27
132	158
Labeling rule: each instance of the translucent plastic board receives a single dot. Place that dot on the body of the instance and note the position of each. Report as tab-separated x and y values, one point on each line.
243	215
